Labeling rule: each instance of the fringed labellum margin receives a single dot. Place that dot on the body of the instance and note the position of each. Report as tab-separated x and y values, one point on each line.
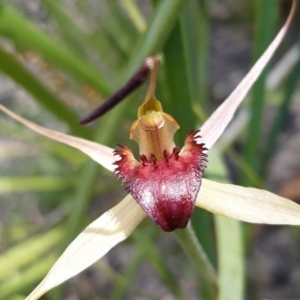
165	189
166	180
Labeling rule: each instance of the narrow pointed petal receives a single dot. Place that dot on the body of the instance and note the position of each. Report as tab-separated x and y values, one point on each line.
94	242
247	204
218	121
101	154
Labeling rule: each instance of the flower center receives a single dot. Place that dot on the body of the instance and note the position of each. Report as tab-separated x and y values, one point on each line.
167	180
154	129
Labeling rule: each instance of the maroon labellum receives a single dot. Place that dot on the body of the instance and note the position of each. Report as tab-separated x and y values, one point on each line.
166	189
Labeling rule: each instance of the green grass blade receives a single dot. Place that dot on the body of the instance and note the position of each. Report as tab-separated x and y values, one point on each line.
25	33
120	44
71	156
135	15
121	23
253	176
79	40
148	247
230	258
229	241
37	184
203	226
280	119
203	56
116	277
27	252
20	75
159	28
121	286
26	278
178	83
194	31
71	34
266	13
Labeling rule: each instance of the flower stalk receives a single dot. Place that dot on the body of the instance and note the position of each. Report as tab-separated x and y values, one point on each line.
190	244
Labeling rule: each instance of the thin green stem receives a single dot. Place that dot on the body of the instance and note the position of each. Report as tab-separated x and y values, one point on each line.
190	244
146	242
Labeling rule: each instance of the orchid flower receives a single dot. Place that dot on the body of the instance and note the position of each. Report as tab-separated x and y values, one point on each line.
165	183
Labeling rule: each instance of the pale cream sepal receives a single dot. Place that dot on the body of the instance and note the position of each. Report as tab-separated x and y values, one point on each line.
101	154
247	204
93	243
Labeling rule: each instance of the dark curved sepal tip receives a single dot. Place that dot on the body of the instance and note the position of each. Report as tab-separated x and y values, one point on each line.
132	84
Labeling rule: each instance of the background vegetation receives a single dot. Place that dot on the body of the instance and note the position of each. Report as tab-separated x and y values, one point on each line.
60	59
